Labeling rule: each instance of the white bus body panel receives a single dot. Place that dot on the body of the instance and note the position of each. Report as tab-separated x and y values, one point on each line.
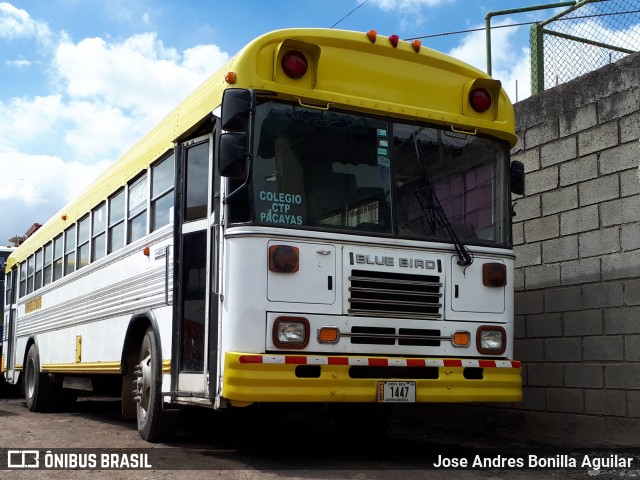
97	302
254	296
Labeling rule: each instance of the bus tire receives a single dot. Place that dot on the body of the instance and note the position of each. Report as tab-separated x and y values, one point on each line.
129	386
154	424
37	386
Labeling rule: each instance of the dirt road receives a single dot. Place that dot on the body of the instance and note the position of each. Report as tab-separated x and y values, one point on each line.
266	446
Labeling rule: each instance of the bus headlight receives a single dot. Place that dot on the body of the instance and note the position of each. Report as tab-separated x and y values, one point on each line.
491	340
291	332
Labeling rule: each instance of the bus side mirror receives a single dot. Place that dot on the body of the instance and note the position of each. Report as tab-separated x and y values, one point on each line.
232	156
517	177
237	106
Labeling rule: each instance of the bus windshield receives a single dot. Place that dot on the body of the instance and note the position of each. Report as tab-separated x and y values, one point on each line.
353	173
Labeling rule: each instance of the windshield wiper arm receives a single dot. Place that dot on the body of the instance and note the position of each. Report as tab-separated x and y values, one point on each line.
464	257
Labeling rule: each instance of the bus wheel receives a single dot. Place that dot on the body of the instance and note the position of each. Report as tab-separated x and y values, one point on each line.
154	424
37	388
130	387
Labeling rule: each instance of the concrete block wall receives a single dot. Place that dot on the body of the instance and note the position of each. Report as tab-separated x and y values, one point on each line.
577	279
577	241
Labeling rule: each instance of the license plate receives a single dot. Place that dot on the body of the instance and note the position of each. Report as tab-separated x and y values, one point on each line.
396	392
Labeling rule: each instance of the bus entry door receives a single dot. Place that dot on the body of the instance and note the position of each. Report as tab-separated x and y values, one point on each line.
193	271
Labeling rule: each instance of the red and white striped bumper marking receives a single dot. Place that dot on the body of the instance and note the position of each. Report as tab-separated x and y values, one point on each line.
376	362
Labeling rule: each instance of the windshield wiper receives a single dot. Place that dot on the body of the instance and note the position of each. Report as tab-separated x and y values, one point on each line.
464	257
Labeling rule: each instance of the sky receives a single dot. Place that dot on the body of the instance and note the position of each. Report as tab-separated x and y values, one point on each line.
82	80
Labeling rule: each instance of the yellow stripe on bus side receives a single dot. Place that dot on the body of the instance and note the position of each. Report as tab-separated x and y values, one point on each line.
94	367
91	367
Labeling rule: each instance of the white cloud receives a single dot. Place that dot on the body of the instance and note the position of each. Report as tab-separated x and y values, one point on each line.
99	130
139	74
40	185
44	179
17	23
18	63
25	120
104	95
510	63
204	59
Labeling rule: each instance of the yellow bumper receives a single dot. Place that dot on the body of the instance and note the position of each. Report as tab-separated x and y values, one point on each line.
312	378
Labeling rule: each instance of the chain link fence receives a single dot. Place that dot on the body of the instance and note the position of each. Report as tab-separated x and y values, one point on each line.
587	36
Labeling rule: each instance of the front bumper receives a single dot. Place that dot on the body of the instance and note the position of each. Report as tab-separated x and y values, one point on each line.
312	378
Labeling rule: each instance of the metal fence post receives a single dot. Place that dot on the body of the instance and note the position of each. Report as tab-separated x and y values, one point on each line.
536	45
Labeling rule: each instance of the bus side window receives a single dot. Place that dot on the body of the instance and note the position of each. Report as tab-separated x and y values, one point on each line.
196	182
137	209
83	242
99	222
70	250
30	273
116	221
37	279
48	263
57	257
162	179
23	279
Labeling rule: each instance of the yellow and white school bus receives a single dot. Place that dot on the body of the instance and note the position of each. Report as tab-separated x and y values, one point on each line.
325	220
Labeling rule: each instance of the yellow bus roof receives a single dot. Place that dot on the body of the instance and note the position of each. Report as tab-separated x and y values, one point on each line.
347	71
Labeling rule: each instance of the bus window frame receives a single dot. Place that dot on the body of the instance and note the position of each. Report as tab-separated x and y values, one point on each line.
95	233
70	242
156	197
48	247
37	283
82	241
58	241
140	209
31	270
111	227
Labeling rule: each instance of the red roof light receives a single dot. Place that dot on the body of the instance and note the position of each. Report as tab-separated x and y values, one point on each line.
480	99
295	64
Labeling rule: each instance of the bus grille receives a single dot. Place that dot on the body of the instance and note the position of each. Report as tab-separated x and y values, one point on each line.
389	336
398	295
